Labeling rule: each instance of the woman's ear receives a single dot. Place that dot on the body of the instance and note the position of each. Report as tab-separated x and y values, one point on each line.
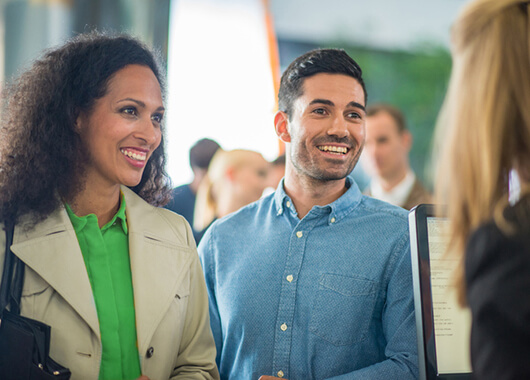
79	122
281	122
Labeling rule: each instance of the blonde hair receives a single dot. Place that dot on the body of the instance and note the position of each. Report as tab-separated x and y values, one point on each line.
206	203
483	130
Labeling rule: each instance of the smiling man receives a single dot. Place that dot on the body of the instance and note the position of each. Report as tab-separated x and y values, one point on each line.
314	281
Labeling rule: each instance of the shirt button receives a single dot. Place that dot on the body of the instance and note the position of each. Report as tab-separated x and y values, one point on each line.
283	327
280	374
299	234
288	204
333	220
150	352
290	278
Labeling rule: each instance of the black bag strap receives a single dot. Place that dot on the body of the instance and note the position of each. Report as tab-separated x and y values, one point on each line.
7	273
11	286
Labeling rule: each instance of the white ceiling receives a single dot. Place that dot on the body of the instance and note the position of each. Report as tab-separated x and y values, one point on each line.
386	24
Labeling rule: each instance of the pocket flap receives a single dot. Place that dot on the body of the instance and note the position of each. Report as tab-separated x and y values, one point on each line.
348	285
33	283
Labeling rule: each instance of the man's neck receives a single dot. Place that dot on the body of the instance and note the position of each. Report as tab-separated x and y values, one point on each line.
307	192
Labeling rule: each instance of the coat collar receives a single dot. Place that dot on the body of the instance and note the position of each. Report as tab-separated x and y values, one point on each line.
159	254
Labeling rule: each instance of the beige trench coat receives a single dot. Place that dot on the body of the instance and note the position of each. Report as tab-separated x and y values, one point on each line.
173	329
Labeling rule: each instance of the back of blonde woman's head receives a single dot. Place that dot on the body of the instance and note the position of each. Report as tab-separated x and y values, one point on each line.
484	128
209	193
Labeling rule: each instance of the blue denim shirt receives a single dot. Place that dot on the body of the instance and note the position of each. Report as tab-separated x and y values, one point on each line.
328	296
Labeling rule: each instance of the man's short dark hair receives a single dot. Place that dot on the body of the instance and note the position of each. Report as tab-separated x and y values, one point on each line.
394	113
331	61
201	153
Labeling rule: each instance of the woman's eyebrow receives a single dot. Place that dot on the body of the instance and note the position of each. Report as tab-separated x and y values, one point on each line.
139	102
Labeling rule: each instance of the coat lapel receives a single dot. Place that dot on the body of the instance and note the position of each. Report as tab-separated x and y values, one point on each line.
51	249
159	261
158	264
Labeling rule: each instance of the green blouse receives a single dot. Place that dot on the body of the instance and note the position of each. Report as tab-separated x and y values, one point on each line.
106	255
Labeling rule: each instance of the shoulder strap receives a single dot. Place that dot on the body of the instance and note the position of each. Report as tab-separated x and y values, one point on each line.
7	273
11	288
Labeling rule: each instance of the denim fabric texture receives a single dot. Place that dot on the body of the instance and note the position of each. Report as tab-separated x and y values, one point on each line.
326	297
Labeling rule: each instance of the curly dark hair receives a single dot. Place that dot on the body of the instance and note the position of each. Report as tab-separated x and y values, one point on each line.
40	150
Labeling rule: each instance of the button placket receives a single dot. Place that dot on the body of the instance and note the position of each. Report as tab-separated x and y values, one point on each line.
286	311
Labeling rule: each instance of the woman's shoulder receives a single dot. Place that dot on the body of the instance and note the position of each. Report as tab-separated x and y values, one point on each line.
514	224
497	244
519	214
156	221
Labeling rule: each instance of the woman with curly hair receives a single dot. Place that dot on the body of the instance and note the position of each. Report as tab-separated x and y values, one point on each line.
81	171
484	135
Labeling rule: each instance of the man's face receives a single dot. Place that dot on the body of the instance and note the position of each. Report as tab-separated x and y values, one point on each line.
386	150
326	130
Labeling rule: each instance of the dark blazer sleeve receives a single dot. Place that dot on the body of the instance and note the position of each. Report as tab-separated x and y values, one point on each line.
497	270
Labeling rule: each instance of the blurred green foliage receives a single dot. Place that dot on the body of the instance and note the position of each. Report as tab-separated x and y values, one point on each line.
416	83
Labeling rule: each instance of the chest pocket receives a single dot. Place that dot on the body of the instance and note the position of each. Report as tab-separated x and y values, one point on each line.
37	296
179	307
33	283
343	309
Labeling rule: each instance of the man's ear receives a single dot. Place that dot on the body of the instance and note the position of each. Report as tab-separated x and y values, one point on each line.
281	121
230	173
406	137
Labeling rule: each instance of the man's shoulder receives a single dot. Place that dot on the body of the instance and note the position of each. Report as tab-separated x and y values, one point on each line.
383	224
418	194
182	190
380	220
376	207
182	201
235	229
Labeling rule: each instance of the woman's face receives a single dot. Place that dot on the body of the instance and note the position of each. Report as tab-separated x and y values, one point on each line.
251	178
123	129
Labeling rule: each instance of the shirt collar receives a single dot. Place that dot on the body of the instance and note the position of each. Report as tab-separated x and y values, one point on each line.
399	194
336	210
79	222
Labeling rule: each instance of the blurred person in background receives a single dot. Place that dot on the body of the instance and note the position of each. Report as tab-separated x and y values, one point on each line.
183	197
234	179
386	158
275	174
117	279
483	135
